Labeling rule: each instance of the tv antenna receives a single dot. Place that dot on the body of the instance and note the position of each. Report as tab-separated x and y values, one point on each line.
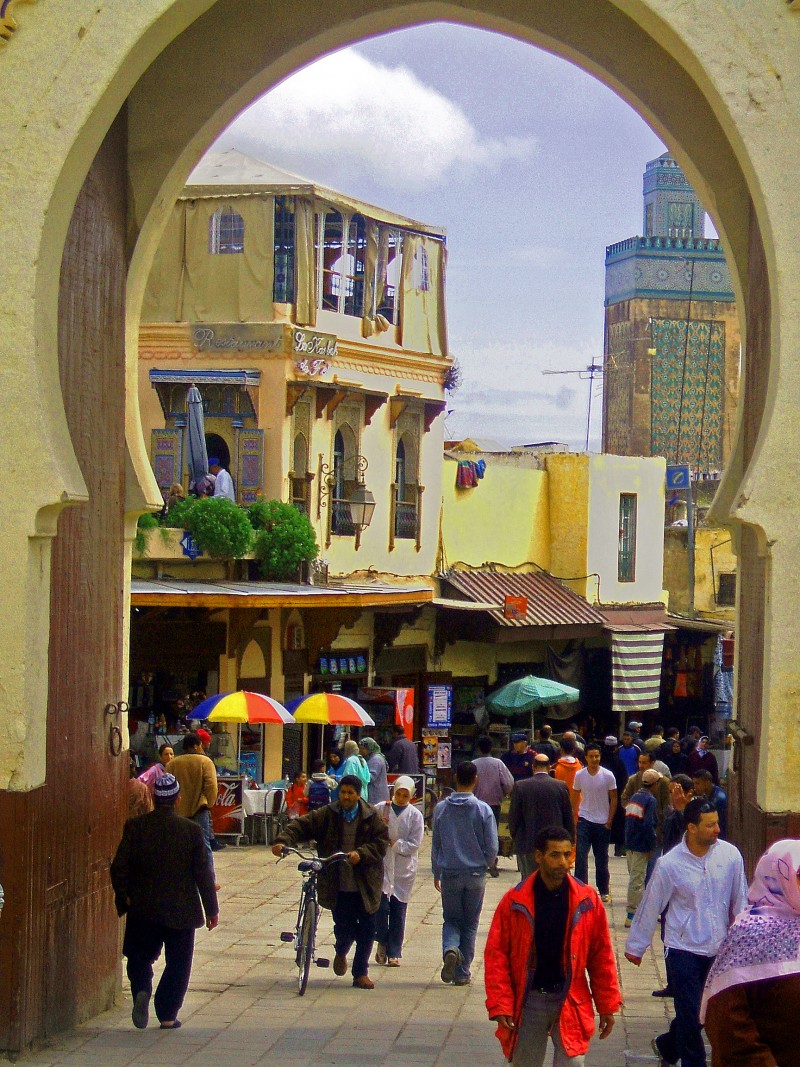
594	370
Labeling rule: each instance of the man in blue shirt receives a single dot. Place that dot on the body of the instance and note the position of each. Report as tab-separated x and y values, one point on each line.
704	787
519	758
641	820
464	846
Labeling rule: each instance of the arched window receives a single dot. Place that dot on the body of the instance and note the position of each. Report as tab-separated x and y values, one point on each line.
406	495
299	476
225	233
343	481
400	470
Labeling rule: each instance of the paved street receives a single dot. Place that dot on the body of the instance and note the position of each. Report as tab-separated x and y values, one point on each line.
243	1010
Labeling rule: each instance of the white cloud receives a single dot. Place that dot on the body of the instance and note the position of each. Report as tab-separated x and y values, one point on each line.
404	133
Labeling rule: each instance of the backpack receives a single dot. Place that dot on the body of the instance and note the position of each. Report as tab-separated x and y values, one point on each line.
318	795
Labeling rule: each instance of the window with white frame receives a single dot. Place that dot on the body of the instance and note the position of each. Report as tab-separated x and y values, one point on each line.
341	263
225	233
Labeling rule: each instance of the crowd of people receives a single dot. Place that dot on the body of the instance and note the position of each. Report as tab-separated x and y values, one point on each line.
732	955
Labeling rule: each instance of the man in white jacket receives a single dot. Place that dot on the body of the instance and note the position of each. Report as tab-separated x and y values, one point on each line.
702	884
406	829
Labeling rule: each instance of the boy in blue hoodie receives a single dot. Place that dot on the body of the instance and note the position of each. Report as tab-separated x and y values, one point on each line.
464	846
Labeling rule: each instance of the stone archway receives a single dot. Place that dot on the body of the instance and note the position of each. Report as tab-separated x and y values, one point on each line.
719	84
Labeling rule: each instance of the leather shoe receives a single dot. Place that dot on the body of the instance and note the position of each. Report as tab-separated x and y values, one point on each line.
339	964
665	992
451	958
364	982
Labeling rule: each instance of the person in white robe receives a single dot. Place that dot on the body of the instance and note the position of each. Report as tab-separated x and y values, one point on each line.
406	829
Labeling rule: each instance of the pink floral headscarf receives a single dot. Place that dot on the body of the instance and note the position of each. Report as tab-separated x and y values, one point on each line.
764	941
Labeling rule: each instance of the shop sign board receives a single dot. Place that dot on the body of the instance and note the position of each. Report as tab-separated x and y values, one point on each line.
190	546
440	705
314	347
515	607
678	476
237	337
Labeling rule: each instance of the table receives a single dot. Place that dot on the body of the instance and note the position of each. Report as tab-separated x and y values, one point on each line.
257	806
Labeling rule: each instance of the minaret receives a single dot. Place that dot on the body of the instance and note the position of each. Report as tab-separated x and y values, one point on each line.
671	354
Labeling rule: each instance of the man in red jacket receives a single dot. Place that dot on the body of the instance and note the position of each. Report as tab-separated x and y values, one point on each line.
547	933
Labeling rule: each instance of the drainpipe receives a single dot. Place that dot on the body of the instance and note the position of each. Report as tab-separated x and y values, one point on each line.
690	542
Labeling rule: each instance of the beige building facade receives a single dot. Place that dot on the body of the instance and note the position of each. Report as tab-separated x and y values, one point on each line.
109	106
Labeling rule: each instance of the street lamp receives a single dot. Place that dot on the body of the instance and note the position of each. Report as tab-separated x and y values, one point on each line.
362	506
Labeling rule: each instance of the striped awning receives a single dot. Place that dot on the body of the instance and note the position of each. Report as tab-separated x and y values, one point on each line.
636	658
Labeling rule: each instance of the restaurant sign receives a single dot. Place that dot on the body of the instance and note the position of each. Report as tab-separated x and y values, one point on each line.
237	337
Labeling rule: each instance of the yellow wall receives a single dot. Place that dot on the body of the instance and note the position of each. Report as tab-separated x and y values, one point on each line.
504	520
568	476
676	569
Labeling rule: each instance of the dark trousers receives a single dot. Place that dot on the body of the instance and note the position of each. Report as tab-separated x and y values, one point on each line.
686	975
142	947
390	925
594	836
352	922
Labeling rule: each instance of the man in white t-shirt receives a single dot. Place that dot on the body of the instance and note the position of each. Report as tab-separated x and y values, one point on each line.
223	483
598	789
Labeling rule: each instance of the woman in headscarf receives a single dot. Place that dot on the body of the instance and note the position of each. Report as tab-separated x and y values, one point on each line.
357	765
376	761
406	829
751	1002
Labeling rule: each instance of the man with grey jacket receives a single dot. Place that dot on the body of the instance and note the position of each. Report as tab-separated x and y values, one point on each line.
464	846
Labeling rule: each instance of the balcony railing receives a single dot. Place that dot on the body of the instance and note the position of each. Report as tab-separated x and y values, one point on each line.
406	515
341	519
405	520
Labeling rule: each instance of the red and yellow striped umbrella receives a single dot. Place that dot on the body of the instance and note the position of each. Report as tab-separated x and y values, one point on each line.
241	707
329	709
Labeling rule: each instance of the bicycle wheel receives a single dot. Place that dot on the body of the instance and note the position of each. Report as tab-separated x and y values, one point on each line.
305	947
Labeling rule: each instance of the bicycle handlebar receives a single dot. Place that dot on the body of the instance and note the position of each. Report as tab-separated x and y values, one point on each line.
335	857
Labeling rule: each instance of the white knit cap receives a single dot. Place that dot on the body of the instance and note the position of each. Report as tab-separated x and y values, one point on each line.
405	782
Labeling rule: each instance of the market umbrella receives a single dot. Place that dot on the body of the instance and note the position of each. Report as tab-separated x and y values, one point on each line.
241	707
529	693
329	709
197	458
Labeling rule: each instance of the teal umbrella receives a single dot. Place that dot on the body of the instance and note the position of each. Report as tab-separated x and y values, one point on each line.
529	693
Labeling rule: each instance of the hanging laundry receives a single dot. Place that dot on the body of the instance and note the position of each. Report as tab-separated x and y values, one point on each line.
480	468
466	475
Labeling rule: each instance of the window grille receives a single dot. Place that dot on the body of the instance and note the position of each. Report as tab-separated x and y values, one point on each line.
284	284
626	556
226	233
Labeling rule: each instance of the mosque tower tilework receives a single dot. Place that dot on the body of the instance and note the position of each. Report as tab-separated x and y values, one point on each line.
671	354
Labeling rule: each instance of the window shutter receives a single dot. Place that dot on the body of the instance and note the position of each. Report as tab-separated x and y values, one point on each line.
167	452
250	448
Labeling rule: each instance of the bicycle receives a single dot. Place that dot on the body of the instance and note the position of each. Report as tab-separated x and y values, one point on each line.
305	932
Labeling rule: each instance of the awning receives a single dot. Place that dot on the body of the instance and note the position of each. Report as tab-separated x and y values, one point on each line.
708	626
205	377
186	594
636	620
549	603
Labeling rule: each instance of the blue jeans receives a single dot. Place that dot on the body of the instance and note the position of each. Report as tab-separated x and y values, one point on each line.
462	900
596	836
390	926
686	975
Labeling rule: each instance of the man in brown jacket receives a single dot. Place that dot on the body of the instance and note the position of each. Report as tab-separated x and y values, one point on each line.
351	890
197	777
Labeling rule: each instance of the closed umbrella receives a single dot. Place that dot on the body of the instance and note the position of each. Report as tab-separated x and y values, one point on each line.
529	693
197	456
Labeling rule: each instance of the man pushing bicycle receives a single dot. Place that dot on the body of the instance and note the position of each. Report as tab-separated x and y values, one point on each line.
351	890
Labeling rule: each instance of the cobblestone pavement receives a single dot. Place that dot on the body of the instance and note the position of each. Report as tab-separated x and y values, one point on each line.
242	1009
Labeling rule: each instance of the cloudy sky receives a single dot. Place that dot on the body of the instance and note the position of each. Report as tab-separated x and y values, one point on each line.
532	166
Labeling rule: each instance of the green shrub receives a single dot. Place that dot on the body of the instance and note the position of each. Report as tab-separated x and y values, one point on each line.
284	539
148	521
178	515
220	527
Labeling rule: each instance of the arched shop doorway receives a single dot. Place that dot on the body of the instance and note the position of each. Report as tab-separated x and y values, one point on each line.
96	142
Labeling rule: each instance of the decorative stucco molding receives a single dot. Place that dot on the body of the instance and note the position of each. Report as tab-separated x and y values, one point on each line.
7	21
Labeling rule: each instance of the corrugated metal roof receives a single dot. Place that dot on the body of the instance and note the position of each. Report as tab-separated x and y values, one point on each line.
179	592
549	602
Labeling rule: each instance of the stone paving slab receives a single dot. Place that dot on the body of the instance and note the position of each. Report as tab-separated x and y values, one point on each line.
242	1009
